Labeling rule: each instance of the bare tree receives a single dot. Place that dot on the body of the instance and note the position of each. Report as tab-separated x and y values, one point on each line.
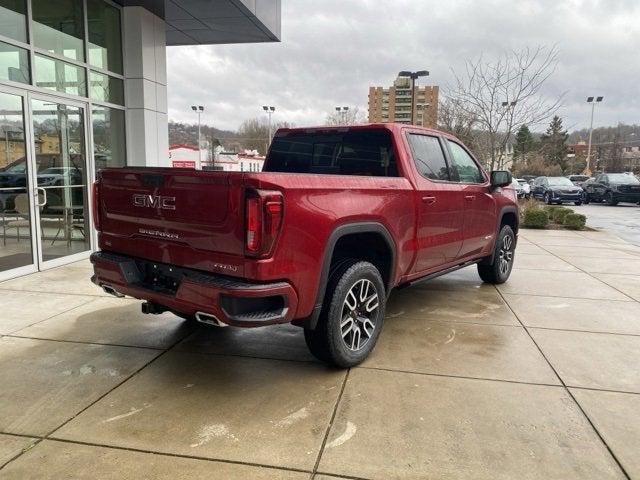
458	121
350	117
253	134
505	94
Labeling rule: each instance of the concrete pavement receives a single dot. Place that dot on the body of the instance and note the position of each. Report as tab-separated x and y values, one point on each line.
536	379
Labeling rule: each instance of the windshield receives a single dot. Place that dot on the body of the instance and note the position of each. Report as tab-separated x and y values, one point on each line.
623	178
17	168
560	182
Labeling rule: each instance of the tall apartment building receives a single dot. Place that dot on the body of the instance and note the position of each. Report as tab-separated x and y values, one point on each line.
393	104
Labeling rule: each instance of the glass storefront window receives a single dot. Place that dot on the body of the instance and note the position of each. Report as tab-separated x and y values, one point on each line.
59	76
58	27
105	36
106	89
14	63
15	216
108	137
13	24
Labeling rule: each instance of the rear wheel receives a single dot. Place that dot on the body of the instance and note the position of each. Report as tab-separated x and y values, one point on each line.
499	269
352	316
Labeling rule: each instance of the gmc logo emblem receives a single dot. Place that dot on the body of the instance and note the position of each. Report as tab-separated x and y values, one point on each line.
155	201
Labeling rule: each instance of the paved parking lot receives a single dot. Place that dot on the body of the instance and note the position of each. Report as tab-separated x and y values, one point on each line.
622	220
536	379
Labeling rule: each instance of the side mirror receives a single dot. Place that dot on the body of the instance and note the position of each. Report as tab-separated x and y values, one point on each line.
500	178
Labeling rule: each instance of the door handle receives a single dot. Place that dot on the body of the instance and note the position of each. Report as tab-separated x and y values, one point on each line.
44	197
470	198
429	200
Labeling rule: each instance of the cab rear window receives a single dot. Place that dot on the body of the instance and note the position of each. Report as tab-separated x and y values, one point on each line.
351	152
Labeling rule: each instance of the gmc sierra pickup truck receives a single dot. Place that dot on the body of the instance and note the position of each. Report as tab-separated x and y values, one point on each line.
337	219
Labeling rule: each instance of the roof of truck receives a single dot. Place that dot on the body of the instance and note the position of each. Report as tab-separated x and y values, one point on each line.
365	126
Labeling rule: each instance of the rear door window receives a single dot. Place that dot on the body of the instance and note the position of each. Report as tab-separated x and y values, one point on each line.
354	152
428	156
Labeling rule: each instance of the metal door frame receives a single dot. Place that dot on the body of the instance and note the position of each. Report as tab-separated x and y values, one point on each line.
28	145
41	264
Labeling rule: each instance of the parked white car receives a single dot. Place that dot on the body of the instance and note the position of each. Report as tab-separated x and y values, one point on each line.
526	188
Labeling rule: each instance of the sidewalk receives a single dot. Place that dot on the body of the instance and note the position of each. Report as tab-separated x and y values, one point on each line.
536	379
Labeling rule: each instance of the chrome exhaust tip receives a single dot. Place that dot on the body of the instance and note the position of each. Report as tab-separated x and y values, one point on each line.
111	291
209	319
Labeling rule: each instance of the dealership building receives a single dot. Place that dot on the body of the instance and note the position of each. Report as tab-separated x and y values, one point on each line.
83	86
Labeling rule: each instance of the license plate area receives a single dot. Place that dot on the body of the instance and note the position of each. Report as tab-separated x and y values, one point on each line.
160	278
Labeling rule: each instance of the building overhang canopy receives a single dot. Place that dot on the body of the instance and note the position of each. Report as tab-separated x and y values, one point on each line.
205	22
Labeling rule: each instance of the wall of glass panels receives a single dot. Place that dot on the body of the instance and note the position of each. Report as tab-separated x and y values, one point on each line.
72	48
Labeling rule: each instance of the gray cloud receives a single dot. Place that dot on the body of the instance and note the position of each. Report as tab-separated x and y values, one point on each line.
332	50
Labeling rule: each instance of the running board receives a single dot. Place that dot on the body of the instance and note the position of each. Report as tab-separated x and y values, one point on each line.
433	275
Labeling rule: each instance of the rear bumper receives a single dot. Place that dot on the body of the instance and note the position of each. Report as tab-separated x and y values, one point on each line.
186	291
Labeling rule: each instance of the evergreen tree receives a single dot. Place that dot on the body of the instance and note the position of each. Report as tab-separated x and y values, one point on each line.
524	144
554	144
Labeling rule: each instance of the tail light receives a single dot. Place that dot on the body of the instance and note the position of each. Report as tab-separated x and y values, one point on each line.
96	205
263	212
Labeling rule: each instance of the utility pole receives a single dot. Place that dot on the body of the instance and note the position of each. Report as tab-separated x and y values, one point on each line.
413	76
593	106
198	109
269	109
343	114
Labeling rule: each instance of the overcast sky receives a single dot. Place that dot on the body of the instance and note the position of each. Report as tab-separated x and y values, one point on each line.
332	50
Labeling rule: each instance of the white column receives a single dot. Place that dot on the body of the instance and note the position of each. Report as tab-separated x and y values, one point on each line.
145	72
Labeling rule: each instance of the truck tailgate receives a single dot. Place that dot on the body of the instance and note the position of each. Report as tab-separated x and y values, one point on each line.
186	217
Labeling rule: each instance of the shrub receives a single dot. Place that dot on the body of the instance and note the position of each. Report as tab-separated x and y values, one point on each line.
575	221
535	218
551	208
559	214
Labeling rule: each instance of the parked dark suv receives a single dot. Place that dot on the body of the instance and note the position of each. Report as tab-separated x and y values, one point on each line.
613	188
556	190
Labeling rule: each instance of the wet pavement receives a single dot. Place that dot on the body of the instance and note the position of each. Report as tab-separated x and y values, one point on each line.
622	220
538	378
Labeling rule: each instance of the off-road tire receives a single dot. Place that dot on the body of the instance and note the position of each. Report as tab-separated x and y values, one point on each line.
326	341
495	271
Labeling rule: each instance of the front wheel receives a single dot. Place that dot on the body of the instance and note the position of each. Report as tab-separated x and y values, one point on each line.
547	198
578	203
351	318
586	199
608	198
499	269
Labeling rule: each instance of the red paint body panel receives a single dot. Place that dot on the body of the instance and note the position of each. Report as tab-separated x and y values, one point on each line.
201	224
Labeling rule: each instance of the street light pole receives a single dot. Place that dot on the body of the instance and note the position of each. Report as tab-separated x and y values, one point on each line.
503	154
343	114
198	109
413	76
269	109
593	106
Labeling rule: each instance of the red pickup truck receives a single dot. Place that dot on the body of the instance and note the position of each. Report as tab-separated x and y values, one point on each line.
338	218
